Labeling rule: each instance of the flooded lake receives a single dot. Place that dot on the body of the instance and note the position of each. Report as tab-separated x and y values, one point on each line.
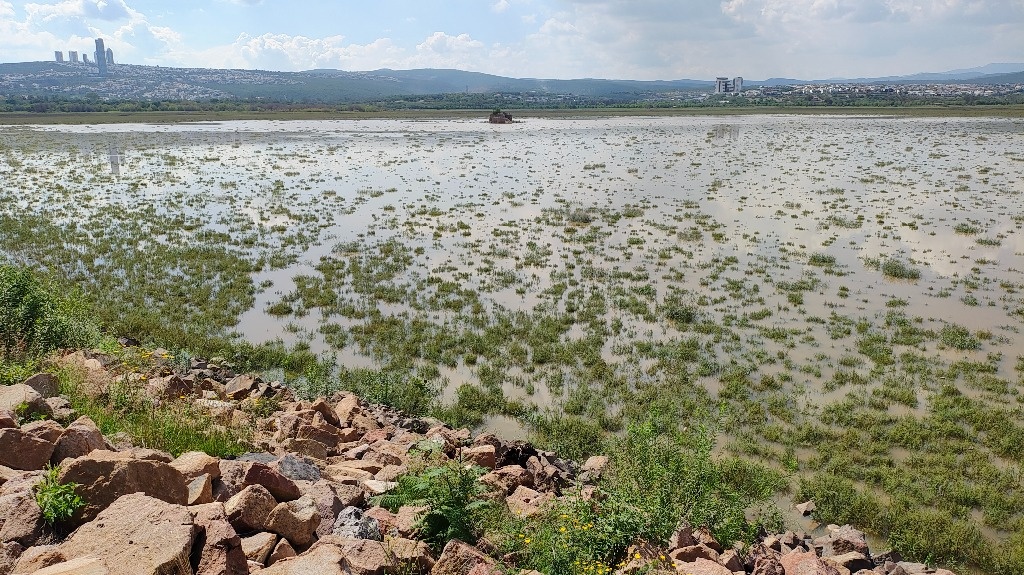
843	295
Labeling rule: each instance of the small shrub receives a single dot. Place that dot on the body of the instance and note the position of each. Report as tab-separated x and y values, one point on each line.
452	495
58	501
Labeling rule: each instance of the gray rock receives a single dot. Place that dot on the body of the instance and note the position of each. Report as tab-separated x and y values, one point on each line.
352	523
297	469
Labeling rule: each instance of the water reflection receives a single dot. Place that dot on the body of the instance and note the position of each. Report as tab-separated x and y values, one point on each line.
114	156
723	133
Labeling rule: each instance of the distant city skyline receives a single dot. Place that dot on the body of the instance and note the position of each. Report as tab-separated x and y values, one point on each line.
622	39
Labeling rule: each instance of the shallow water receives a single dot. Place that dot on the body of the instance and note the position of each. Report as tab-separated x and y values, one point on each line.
765	192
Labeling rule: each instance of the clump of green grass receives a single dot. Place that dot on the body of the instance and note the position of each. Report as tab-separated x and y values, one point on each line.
958	337
899	269
821	260
174	426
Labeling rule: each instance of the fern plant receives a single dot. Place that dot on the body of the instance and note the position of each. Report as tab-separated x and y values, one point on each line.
452	496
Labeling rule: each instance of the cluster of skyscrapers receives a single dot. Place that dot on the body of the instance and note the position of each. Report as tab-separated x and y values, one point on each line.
103	56
724	85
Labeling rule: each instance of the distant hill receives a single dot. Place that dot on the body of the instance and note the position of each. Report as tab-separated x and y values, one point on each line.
150	83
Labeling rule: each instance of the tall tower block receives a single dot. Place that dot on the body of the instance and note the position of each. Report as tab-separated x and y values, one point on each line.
101	57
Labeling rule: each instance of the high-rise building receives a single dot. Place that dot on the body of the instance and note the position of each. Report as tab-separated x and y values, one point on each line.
58	56
73	56
724	85
101	57
110	57
85	58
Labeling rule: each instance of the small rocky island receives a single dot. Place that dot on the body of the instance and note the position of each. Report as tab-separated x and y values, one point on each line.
499	117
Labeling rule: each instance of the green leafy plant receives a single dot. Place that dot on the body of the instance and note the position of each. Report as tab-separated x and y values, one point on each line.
452	496
57	500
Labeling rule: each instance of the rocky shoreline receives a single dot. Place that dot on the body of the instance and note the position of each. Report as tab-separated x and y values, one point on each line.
301	502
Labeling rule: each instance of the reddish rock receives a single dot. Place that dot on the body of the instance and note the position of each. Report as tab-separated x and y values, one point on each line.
137	535
526	502
459	558
386	520
219	546
846	539
283	550
200	490
702	566
731	560
258	546
407	519
296	521
506	479
482	455
805	563
250	509
852	561
241	474
21	519
330	498
46	429
7	420
20	450
9	554
23	401
694	552
39	557
80	438
105	476
192	464
45	384
324	560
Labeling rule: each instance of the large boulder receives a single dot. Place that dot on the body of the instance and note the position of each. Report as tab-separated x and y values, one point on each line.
106	476
241	474
23	401
9	553
296	521
324	560
80	438
250	509
192	464
21	450
21	519
258	546
701	566
330	499
352	523
45	384
806	563
46	429
218	546
365	557
459	558
135	535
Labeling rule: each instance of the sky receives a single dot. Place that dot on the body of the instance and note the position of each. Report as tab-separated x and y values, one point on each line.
614	39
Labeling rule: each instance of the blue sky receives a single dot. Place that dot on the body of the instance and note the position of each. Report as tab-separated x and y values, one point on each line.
634	39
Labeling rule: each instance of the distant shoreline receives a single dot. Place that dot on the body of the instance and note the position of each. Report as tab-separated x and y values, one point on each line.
23	118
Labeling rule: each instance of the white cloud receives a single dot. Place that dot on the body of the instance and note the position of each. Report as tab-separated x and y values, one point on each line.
500	6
